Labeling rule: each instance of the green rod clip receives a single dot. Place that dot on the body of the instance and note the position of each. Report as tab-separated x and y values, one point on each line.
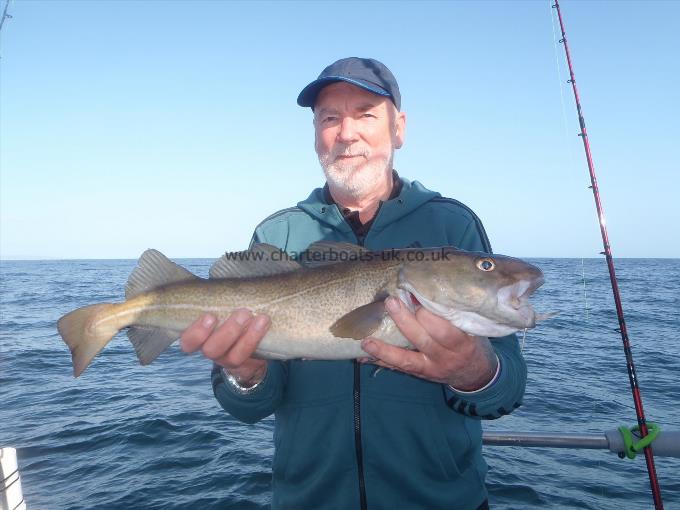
633	447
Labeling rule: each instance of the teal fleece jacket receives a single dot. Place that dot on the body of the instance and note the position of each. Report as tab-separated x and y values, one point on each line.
345	439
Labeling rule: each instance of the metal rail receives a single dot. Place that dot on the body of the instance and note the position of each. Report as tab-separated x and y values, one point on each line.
666	444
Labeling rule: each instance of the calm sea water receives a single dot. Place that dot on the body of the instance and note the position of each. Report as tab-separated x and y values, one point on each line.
126	436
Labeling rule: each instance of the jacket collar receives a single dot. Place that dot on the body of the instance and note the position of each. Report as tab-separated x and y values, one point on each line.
412	196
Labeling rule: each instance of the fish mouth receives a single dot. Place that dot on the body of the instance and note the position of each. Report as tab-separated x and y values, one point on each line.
409	299
515	299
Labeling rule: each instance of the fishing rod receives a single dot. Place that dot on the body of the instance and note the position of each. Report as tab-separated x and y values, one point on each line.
634	387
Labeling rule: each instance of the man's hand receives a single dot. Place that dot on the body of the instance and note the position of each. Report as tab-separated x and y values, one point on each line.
445	353
230	344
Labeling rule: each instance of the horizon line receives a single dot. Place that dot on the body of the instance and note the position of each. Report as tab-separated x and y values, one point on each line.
37	258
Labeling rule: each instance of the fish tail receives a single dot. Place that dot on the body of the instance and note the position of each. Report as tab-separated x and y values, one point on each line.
86	334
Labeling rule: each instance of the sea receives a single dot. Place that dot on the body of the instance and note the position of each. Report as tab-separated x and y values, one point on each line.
123	436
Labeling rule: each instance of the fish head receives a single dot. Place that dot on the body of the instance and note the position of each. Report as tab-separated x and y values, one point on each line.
482	294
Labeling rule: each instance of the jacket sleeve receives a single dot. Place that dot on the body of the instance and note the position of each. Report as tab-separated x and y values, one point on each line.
256	405
507	391
263	400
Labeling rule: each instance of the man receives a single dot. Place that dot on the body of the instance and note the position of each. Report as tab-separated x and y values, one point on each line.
346	437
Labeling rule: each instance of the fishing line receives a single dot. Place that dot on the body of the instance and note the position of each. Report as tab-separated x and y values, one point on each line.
4	14
569	146
630	365
560	81
585	295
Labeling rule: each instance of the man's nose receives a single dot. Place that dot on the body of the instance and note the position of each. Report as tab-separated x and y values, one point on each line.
348	131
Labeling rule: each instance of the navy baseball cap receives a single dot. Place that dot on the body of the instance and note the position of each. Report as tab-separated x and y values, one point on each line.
367	73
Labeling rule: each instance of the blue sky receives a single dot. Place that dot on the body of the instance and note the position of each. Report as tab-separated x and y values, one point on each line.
173	125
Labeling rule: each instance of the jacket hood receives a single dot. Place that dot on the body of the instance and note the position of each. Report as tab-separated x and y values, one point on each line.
412	196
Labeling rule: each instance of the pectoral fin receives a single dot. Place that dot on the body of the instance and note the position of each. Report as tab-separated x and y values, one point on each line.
360	322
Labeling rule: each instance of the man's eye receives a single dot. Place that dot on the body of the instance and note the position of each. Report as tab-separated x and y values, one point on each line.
329	119
368	115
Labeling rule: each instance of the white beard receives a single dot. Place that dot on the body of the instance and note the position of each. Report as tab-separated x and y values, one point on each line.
355	178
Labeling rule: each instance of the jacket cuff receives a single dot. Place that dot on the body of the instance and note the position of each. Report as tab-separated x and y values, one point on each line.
252	406
503	395
233	383
487	385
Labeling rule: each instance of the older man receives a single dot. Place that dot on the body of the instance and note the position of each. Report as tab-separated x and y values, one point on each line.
409	437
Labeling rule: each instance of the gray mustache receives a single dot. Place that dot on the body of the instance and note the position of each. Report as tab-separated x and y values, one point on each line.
348	152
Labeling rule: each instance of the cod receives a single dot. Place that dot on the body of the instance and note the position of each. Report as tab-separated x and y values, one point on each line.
320	306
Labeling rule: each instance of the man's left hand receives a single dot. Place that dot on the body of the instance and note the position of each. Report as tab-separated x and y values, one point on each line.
445	354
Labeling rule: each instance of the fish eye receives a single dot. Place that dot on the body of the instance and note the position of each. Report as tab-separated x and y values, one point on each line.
486	264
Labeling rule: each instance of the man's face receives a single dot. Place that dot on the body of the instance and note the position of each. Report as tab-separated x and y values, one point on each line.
356	133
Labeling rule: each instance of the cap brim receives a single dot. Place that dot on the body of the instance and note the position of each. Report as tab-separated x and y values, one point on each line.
309	94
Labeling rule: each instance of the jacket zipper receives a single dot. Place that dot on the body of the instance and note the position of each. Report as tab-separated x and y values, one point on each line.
357	418
357	434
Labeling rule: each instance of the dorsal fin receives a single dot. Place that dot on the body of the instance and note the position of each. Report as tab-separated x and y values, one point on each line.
153	270
261	260
326	253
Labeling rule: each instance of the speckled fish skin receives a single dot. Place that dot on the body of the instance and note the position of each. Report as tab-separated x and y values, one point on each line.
302	306
316	312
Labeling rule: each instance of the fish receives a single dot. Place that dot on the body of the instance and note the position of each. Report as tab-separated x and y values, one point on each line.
321	304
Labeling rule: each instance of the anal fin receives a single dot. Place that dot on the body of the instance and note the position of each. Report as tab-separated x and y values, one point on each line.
149	343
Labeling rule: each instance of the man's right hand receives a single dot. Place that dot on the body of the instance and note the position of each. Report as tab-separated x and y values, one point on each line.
230	344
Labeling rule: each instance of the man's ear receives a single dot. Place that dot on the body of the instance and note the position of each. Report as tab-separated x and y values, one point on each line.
399	129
